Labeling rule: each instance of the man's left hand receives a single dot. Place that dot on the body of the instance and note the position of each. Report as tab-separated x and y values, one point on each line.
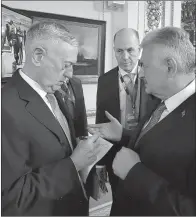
123	162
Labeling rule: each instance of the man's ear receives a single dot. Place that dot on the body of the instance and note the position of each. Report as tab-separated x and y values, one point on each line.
171	67
38	55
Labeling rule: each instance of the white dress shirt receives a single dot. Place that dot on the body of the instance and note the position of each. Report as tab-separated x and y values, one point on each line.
122	92
174	101
37	88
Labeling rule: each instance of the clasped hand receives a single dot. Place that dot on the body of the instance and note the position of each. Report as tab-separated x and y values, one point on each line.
124	161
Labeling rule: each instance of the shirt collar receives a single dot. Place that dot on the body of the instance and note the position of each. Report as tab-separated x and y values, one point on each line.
174	101
33	84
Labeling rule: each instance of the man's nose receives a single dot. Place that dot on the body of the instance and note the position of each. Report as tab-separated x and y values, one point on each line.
68	70
125	55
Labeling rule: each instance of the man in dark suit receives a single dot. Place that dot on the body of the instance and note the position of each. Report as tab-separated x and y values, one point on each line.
41	161
127	105
157	170
71	93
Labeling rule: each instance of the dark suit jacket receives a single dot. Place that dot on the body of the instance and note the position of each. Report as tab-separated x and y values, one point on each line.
108	100
80	119
165	182
38	176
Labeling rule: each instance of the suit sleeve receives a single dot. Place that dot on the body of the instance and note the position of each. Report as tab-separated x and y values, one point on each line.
144	185
23	185
100	111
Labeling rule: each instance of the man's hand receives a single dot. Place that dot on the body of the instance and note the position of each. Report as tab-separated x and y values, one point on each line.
123	162
85	152
110	131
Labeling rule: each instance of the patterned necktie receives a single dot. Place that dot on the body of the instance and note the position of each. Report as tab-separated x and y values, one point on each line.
130	118
63	122
59	116
153	121
128	79
68	99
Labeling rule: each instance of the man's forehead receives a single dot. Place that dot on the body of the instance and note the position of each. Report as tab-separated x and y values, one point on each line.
125	41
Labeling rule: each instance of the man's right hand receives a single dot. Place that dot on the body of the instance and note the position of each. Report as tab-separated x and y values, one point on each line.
110	131
85	152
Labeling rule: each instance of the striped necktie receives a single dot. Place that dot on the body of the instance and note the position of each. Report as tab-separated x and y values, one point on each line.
68	99
59	116
153	121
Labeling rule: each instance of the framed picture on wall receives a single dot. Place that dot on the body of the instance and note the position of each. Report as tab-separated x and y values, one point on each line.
89	33
13	34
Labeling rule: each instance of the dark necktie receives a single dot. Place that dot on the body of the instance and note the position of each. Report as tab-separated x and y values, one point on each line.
153	121
68	99
129	81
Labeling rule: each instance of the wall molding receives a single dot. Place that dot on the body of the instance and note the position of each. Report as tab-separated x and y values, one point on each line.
172	13
153	13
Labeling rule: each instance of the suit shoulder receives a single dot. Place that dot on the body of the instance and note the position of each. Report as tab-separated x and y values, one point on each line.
9	95
76	80
106	76
190	102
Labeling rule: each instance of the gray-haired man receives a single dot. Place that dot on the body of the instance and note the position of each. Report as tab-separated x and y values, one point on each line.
40	158
157	171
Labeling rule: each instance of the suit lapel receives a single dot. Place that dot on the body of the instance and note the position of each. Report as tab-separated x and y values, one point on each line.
37	107
139	128
177	114
143	100
113	97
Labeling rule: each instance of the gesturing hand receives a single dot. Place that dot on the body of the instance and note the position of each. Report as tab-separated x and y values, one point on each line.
110	131
123	162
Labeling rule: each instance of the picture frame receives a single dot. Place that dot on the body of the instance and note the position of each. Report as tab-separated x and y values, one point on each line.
90	34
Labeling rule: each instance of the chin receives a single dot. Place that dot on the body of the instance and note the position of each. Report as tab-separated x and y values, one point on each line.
128	69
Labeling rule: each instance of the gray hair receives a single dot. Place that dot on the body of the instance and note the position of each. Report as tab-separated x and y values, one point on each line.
50	30
178	42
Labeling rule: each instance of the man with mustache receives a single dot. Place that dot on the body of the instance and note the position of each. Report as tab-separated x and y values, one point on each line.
122	93
41	160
